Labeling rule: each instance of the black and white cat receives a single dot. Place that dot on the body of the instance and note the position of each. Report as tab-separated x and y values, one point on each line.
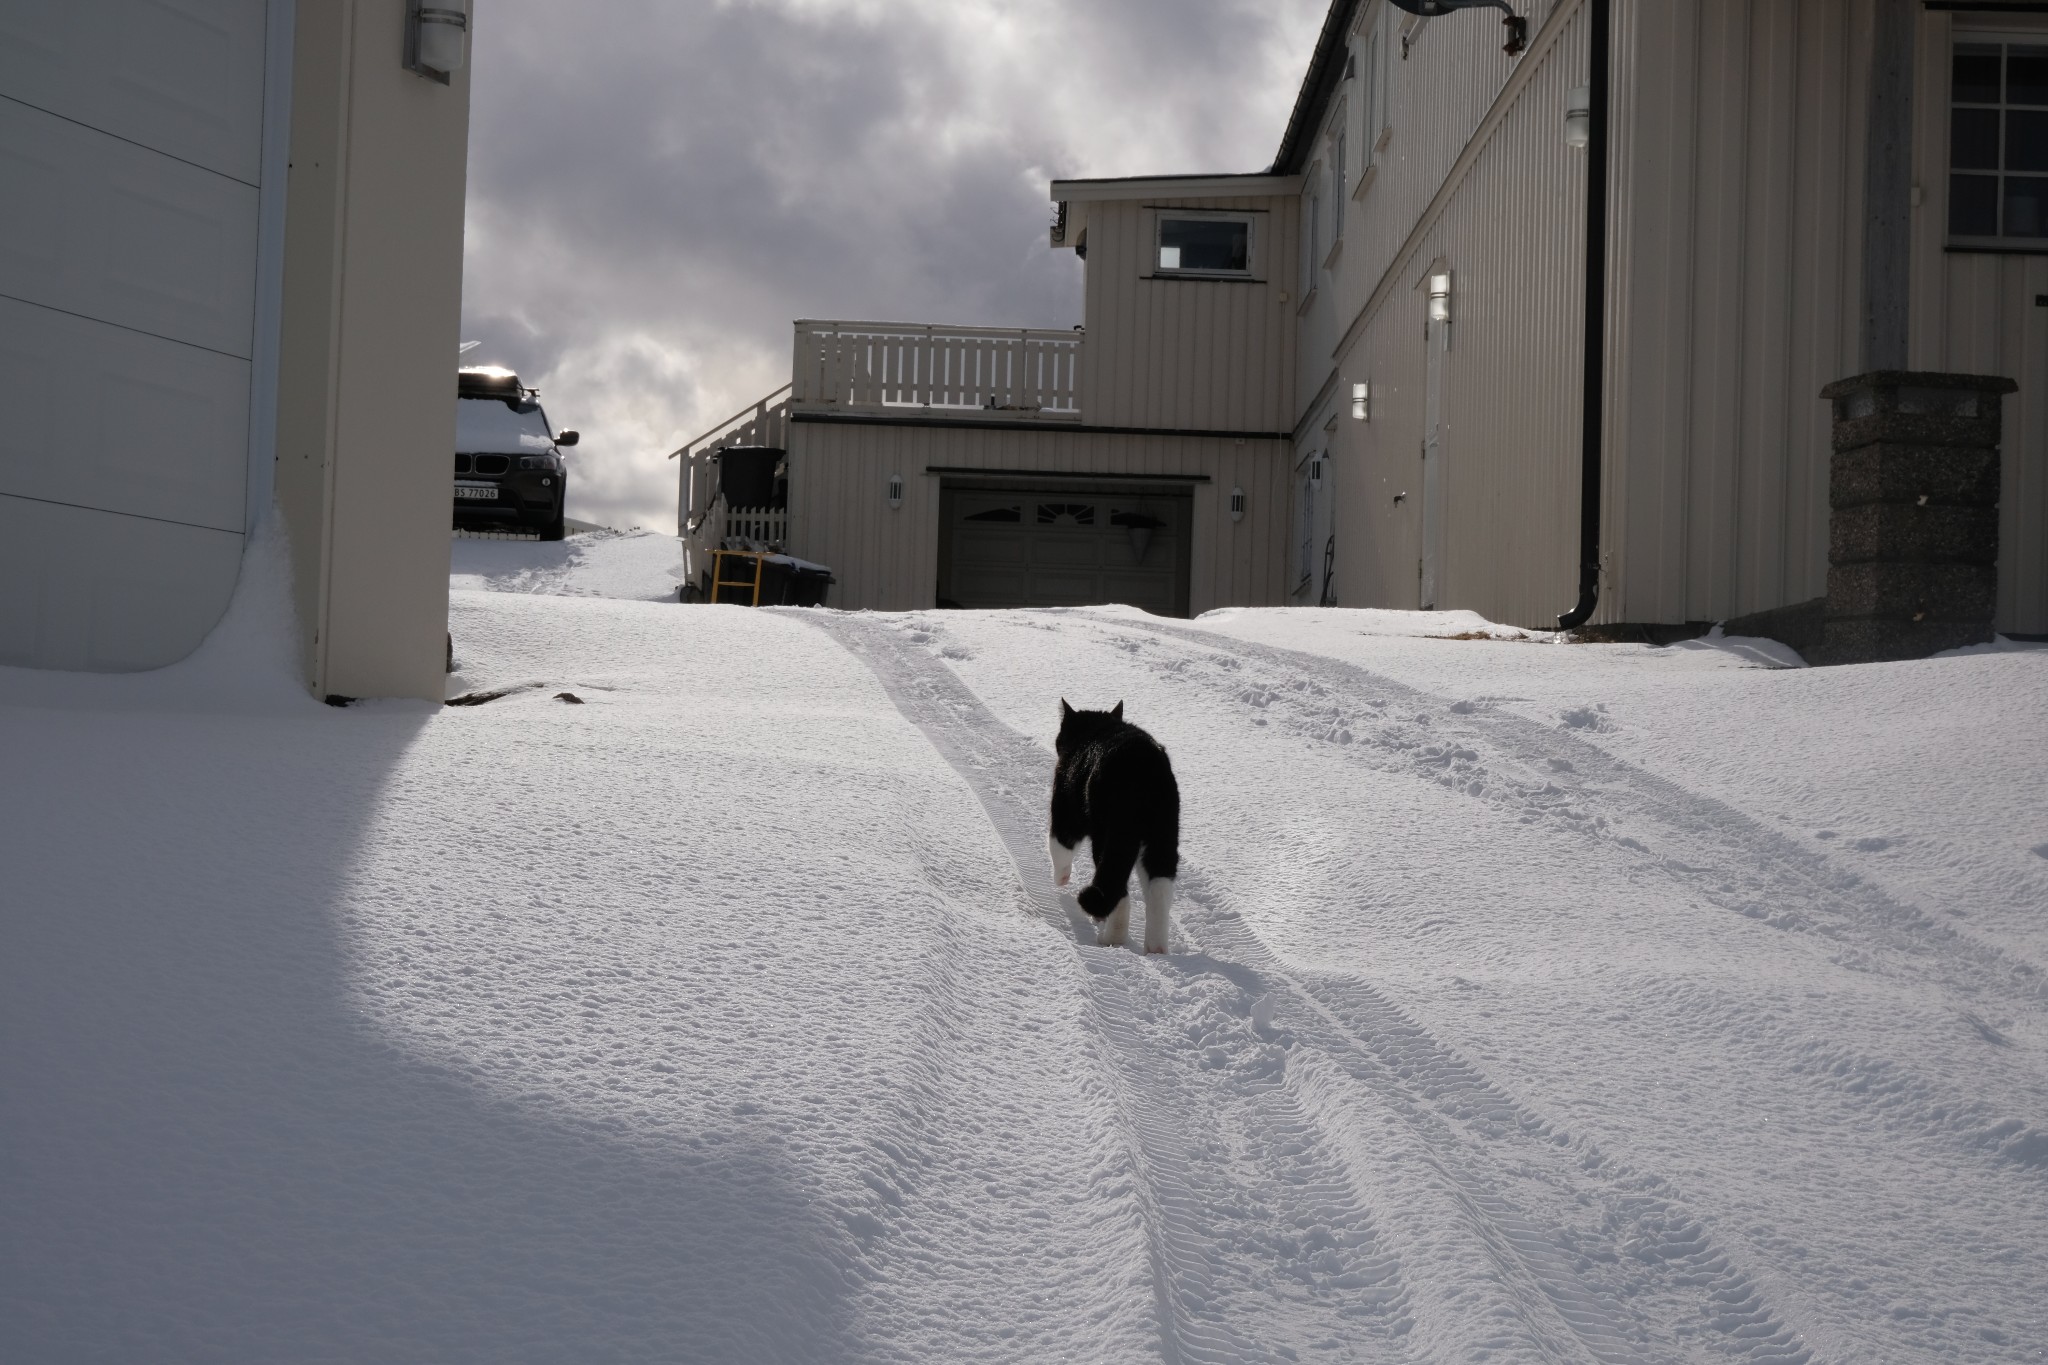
1113	786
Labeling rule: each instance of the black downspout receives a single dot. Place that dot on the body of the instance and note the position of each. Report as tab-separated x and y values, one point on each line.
1596	324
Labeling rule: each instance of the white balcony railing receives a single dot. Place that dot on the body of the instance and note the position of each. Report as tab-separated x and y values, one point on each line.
1009	372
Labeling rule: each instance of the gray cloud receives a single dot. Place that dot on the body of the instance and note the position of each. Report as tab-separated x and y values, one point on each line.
657	190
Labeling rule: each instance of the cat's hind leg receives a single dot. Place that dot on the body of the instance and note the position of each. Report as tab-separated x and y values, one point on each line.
1062	859
1158	905
1116	930
1108	897
1161	863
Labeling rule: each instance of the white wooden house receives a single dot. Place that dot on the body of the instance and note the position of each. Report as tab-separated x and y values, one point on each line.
230	280
1359	377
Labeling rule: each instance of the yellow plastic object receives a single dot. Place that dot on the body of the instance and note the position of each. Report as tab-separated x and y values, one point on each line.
719	581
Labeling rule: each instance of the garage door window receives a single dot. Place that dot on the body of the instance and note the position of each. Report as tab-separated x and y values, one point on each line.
1066	513
1012	513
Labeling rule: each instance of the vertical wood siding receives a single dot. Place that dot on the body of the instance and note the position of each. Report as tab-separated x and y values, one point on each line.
887	559
1510	233
1188	354
1744	218
1974	313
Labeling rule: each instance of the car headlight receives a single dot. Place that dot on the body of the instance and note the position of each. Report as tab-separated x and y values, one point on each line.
539	462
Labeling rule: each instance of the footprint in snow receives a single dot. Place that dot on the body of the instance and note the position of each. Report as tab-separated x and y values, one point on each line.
1594	718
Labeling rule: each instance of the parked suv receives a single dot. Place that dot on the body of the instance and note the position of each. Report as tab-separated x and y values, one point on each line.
508	464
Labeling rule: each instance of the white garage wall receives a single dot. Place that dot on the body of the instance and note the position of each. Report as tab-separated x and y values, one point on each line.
133	143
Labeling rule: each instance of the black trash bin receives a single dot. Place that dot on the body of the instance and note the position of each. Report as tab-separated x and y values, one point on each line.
790	582
746	476
747	578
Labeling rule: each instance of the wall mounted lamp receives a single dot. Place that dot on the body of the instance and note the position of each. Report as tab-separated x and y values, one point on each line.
1440	297
894	492
435	37
1517	28
1578	117
1237	504
1361	401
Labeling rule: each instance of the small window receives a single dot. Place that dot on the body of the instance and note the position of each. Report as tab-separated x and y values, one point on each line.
1205	246
1342	190
1998	144
1312	232
1066	514
997	514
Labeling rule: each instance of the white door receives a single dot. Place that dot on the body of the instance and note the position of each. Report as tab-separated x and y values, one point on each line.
132	152
1314	537
1436	338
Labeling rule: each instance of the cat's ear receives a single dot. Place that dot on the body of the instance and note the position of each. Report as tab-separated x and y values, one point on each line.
1118	713
1066	711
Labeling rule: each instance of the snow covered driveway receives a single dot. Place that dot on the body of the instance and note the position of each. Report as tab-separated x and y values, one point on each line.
1527	1002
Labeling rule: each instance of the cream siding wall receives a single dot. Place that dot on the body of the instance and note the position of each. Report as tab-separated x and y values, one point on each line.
1435	99
1975	313
1736	229
1213	355
1741	300
366	394
1508	224
887	560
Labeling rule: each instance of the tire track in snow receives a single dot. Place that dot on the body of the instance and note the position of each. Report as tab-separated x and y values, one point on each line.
1261	1246
1540	1307
1538	774
1547	774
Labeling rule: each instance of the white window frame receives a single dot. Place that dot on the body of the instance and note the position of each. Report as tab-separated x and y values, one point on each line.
1962	36
1311	229
1252	244
1340	187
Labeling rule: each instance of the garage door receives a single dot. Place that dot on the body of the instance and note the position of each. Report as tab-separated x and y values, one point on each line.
132	151
1065	548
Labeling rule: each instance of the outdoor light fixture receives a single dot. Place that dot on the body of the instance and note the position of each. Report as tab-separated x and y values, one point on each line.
1578	117
1518	29
1440	297
895	493
1361	402
1237	504
435	35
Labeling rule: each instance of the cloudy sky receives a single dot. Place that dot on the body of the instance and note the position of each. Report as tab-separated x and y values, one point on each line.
657	189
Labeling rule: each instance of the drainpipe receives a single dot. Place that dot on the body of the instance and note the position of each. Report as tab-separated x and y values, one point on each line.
1593	398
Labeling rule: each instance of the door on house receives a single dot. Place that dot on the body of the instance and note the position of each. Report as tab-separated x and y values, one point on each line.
1065	547
1314	537
1437	340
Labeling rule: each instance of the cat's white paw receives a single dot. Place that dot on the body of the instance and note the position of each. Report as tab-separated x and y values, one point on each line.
1116	929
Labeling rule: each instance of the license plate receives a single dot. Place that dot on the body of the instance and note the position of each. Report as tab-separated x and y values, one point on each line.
486	493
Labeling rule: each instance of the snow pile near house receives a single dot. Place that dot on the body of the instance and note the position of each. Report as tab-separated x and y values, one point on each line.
1519	1007
635	566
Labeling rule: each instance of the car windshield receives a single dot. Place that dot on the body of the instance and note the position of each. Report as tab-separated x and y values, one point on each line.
493	425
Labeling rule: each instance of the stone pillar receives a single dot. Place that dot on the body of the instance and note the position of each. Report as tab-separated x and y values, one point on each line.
1913	535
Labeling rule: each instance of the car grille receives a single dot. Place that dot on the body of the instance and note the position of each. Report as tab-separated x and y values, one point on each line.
492	464
462	464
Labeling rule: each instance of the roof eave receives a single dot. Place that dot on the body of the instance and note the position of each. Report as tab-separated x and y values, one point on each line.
1325	70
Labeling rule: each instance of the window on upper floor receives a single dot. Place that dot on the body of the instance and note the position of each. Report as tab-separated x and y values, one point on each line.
1311	230
1372	87
1340	188
1206	244
1998	142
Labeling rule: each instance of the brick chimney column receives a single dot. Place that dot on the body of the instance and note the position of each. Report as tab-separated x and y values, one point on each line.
1913	533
